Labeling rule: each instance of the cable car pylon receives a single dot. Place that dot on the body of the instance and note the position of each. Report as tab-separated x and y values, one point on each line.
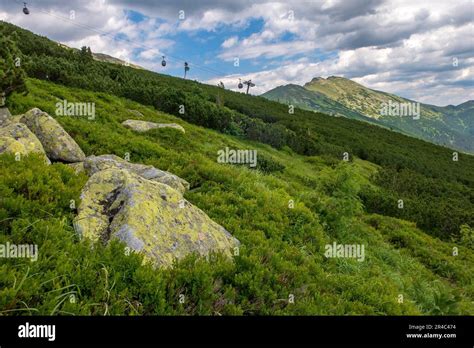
249	84
186	69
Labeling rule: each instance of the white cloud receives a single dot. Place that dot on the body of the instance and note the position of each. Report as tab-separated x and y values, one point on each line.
230	42
401	46
269	50
416	69
417	44
150	54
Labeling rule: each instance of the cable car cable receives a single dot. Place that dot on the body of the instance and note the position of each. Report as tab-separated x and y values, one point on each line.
98	31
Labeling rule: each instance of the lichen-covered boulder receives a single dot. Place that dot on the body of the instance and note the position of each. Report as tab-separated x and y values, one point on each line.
94	164
57	143
17	138
4	115
149	217
144	126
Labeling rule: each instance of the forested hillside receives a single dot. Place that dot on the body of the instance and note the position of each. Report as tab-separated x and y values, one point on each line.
301	196
450	126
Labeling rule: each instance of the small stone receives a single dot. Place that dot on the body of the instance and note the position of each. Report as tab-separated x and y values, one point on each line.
144	126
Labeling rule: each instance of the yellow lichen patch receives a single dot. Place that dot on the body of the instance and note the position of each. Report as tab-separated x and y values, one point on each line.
92	221
93	164
149	217
10	145
22	140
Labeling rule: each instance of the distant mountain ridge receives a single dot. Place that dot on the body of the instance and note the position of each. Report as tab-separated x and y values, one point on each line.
451	126
102	57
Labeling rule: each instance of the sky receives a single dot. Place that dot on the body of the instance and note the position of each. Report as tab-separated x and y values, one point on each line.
418	49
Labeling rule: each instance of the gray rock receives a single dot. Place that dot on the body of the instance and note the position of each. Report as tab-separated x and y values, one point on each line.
149	217
144	126
17	138
57	143
94	164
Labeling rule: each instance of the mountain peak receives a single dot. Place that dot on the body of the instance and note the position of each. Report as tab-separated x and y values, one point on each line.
320	79
316	79
469	103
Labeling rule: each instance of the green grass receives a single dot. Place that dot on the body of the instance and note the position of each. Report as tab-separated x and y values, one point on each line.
282	249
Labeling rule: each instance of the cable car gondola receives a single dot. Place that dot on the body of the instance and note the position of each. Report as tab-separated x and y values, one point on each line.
163	62
25	9
240	85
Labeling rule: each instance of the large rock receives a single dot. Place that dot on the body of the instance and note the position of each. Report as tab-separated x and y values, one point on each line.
57	143
94	164
150	217
144	126
17	138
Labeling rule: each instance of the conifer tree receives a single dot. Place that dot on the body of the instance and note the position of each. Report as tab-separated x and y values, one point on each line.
85	54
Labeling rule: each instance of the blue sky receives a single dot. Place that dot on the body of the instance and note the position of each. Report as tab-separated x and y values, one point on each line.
423	50
201	49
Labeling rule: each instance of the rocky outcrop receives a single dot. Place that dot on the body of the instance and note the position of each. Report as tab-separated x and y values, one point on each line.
94	164
137	204
17	138
149	216
144	126
57	143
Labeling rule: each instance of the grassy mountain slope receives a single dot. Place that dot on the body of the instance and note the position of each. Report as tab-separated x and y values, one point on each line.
306	99
357	97
282	247
461	116
451	126
437	183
